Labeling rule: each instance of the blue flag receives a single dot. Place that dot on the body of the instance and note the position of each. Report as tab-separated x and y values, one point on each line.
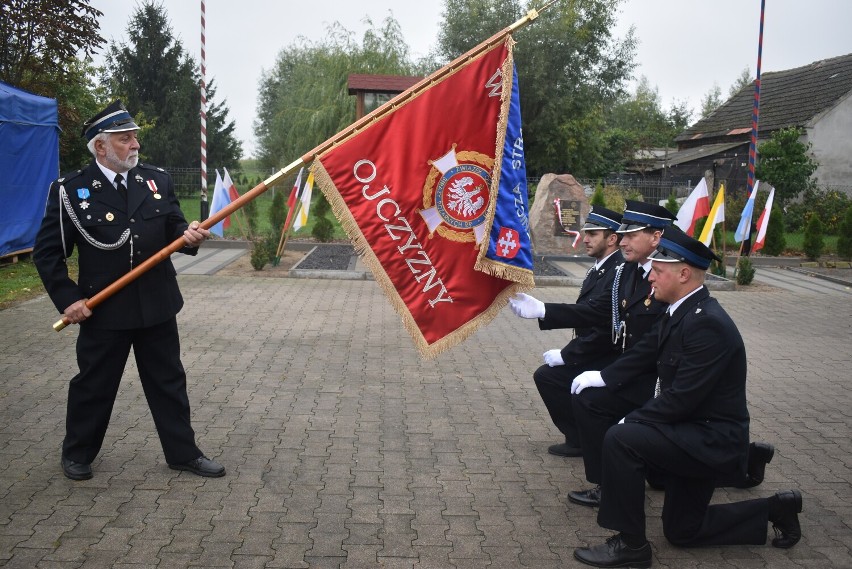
744	228
509	253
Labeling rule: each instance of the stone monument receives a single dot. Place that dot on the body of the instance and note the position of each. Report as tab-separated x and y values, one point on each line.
557	214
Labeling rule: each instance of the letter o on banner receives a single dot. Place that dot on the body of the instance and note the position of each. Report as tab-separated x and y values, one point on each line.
358	165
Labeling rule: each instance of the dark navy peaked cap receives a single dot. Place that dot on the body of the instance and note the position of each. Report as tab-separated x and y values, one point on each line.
114	118
678	247
640	215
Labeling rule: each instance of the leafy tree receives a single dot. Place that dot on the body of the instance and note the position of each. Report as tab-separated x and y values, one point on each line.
844	239
711	101
785	163
570	68
775	240
813	244
744	80
46	48
304	100
159	83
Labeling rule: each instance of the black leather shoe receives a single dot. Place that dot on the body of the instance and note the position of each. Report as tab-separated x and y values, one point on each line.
759	455
615	553
784	508
201	466
590	497
565	449
76	470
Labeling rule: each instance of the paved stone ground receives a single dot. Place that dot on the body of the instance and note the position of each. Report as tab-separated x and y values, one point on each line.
344	449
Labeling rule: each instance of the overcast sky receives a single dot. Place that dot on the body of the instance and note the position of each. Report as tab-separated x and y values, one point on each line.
685	46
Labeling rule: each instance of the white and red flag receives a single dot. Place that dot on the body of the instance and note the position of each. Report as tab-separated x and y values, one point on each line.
763	223
696	206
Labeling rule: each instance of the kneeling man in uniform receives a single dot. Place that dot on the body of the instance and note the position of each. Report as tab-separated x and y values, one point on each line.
693	432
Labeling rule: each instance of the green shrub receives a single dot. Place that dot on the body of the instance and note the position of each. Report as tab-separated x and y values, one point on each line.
323	230
745	271
775	240
844	239
814	243
277	211
671	203
598	196
828	205
259	254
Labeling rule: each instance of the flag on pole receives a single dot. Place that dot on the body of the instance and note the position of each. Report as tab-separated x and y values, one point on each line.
763	223
433	196
696	206
717	215
220	200
744	228
291	201
230	186
305	201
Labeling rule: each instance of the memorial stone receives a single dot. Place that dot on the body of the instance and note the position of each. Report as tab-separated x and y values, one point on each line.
557	214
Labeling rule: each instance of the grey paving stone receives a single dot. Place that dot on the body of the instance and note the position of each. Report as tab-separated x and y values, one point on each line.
344	449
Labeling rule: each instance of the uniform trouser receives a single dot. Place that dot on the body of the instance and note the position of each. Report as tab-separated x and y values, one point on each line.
554	386
629	450
596	409
101	357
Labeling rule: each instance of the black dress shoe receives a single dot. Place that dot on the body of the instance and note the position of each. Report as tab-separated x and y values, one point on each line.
201	466
615	553
590	497
759	455
76	470
565	449
784	508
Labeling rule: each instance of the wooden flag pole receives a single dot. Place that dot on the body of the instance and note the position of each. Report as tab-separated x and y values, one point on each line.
279	176
179	243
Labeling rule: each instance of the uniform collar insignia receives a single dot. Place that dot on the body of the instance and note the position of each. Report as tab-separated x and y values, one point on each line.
96	184
139	178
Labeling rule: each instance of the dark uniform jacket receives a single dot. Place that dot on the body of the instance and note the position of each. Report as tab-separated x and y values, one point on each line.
637	307
103	213
590	316
700	358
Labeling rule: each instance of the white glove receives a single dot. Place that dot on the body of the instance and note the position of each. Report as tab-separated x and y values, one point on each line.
525	306
553	358
586	379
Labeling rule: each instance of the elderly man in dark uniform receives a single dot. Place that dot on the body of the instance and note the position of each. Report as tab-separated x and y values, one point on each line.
693	432
117	213
590	317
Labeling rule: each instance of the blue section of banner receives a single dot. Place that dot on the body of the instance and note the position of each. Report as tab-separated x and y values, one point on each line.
509	242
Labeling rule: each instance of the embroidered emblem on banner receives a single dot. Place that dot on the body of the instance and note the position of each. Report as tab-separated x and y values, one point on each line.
507	243
456	195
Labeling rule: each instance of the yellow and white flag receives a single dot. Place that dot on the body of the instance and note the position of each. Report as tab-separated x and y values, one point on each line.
717	215
302	217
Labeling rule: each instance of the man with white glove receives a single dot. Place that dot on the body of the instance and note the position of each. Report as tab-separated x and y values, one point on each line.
591	318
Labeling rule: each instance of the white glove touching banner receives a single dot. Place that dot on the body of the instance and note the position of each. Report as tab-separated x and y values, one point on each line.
553	358
526	306
586	379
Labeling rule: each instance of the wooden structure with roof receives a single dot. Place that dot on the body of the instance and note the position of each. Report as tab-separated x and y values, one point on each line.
373	91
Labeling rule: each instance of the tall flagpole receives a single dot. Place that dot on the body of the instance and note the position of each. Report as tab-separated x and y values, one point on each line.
755	113
205	210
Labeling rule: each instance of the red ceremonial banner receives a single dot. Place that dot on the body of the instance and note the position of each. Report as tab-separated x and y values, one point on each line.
412	191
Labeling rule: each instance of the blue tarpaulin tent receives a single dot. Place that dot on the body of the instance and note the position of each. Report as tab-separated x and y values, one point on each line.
29	162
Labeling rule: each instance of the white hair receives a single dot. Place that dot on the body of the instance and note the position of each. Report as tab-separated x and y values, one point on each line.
91	144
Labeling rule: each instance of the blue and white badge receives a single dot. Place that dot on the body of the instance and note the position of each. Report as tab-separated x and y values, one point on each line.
83	193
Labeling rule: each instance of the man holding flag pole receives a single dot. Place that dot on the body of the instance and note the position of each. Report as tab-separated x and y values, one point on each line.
451	254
